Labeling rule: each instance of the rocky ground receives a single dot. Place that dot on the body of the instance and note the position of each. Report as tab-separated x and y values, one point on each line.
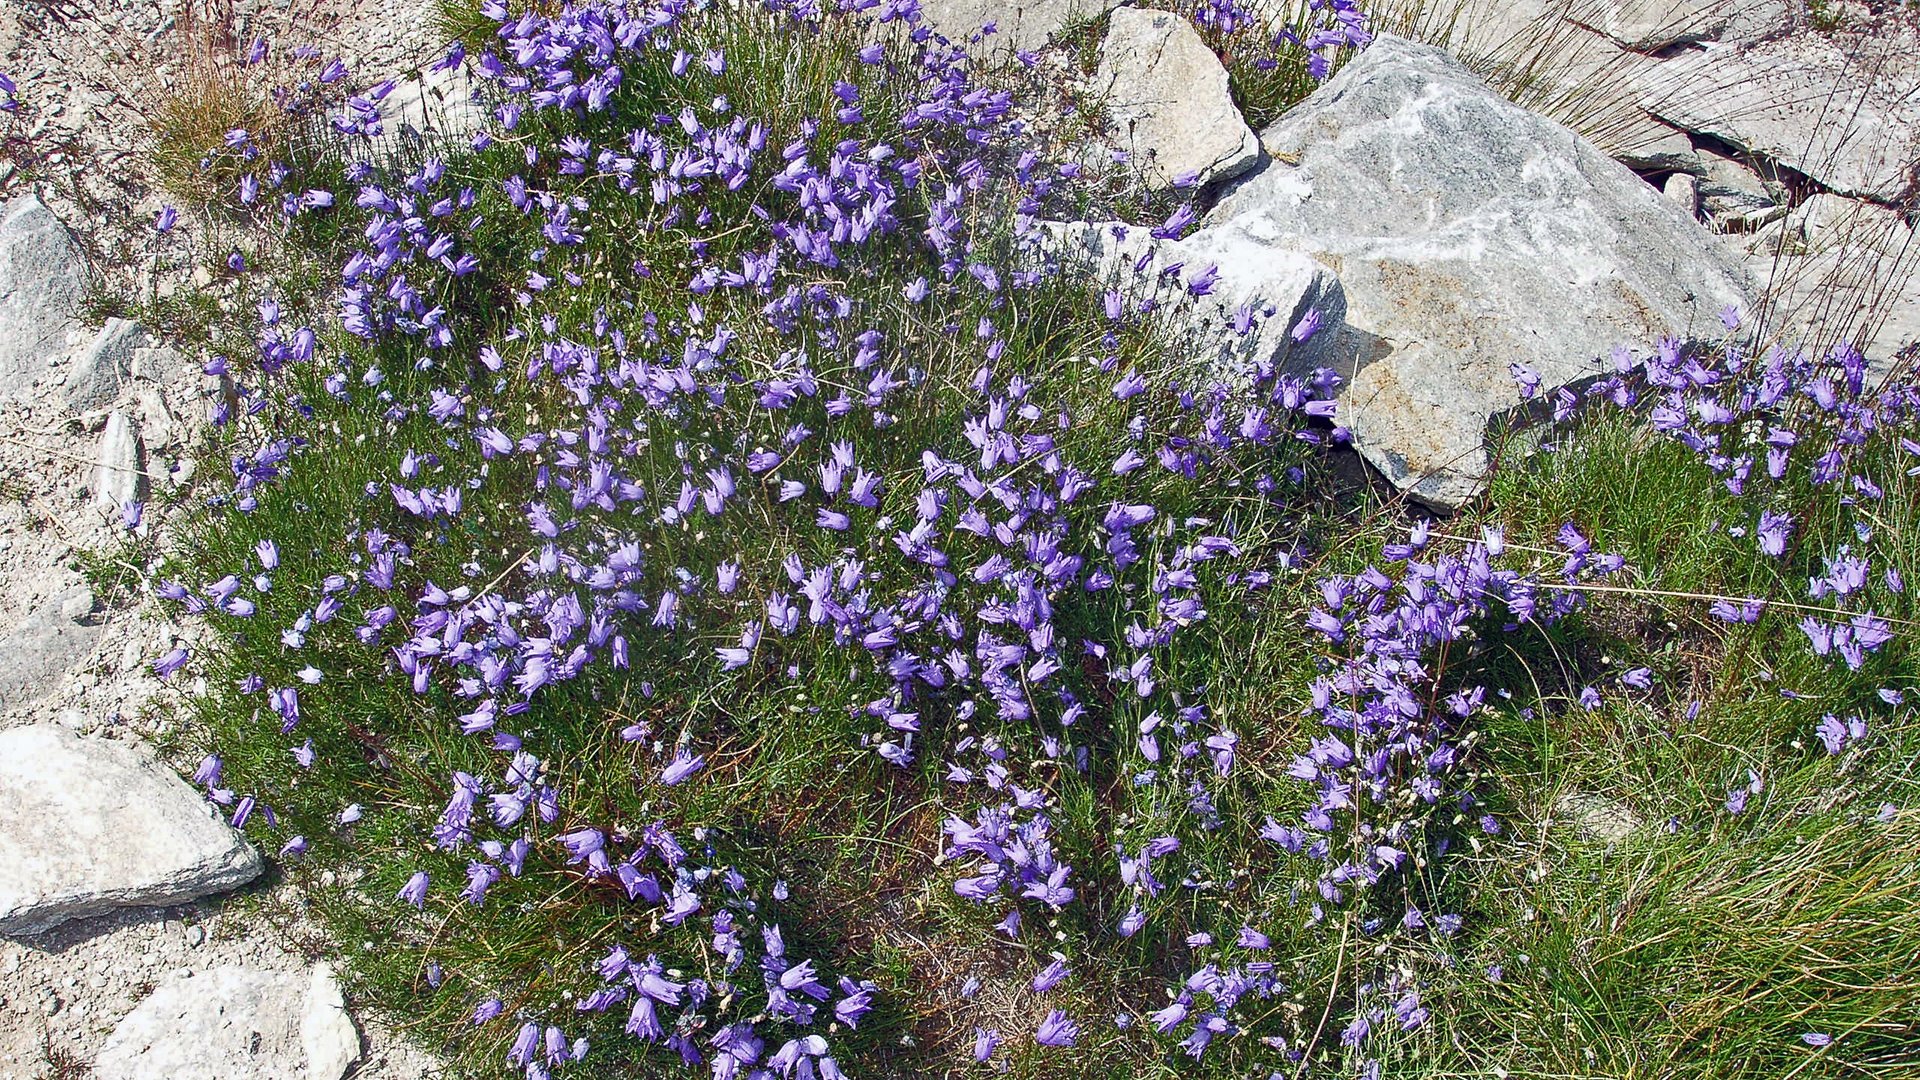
160	975
134	963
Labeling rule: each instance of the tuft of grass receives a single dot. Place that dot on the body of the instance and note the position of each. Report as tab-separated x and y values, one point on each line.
216	91
63	1063
1082	35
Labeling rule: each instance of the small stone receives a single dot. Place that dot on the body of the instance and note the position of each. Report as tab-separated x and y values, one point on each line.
152	363
158	429
118	478
327	1034
1683	191
1596	817
78	604
99	370
195	935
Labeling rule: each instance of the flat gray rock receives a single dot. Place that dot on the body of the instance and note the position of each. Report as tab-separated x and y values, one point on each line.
1577	60
91	825
43	647
43	281
1019	25
1848	118
1647	25
1278	285
235	1023
1749	21
1468	234
1667	151
1522	29
1167	96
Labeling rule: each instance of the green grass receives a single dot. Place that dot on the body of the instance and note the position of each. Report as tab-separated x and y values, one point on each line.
1700	945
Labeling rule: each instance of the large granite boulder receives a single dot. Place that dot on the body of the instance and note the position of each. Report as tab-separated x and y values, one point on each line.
43	280
1468	235
89	825
235	1023
1168	98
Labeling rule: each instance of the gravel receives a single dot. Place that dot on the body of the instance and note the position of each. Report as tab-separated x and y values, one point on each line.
88	72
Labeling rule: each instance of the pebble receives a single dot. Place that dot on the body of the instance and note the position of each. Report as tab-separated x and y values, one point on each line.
78	604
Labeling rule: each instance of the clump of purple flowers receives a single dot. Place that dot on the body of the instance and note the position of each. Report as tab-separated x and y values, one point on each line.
1815	450
934	511
1792	435
820	428
1254	47
1386	772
